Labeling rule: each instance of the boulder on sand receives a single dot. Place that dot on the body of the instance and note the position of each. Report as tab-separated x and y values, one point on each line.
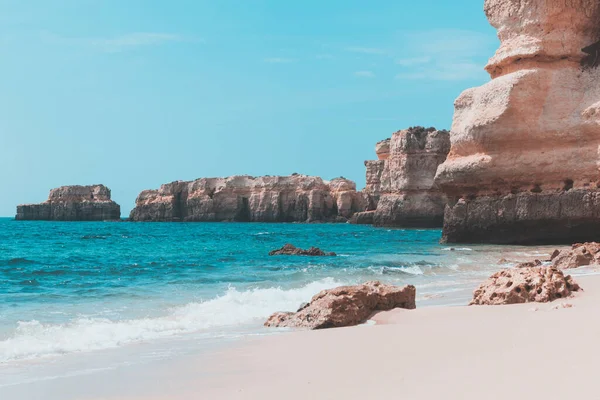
524	285
579	255
346	306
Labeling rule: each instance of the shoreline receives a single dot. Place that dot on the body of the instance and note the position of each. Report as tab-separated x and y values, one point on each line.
432	352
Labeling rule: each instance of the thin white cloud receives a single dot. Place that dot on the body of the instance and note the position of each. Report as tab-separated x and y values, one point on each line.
279	60
457	71
367	50
409	62
444	55
324	57
364	74
121	42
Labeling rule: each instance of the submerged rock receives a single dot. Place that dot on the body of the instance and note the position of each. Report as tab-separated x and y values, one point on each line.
295	198
346	306
524	285
73	203
291	250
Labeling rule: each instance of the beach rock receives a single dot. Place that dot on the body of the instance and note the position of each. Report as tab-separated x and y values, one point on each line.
400	189
291	250
295	198
73	203
529	264
580	255
523	285
523	164
346	306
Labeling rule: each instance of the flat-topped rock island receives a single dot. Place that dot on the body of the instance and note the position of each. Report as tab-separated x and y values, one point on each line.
73	203
294	198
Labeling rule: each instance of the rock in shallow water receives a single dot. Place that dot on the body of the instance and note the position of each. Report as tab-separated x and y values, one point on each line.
346	306
524	285
291	250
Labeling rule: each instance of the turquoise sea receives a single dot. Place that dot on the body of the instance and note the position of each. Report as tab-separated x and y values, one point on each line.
70	289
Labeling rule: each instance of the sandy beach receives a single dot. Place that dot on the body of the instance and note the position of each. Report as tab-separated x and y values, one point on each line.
530	350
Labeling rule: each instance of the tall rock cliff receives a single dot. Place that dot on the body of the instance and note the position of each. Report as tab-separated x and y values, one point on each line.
73	203
523	166
400	188
296	198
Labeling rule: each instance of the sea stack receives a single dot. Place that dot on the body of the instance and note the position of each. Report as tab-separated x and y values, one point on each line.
73	203
523	165
400	188
295	198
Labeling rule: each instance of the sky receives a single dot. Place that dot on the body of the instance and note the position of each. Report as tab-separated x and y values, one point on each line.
136	93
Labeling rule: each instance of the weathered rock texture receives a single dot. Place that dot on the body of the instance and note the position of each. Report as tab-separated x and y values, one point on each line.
291	250
346	306
73	203
581	254
523	166
400	188
296	198
524	285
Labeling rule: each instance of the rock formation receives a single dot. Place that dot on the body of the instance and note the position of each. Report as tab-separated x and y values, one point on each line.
296	198
346	306
291	250
524	285
73	203
400	188
581	254
523	165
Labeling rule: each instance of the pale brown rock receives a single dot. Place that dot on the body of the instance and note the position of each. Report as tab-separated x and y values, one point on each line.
529	264
346	306
523	165
73	203
580	255
291	250
295	198
524	285
400	184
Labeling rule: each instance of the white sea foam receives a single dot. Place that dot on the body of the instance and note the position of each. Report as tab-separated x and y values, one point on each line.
457	249
33	339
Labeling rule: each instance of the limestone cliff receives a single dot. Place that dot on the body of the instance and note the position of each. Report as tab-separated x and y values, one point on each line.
73	203
400	188
523	165
296	198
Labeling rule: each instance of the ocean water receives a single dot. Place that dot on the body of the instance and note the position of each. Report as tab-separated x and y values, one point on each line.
70	290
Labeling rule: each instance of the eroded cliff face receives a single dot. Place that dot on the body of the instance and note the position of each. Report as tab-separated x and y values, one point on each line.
523	166
73	203
296	198
400	188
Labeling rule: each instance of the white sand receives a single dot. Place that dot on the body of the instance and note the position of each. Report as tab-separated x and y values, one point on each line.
502	352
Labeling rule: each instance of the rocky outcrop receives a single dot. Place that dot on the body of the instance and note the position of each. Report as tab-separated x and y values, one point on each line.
523	165
73	203
296	198
291	250
400	188
581	254
524	285
346	306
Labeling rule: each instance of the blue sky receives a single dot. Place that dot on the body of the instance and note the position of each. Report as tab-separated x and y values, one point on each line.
137	93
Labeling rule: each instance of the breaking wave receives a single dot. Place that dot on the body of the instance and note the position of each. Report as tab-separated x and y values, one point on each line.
33	339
